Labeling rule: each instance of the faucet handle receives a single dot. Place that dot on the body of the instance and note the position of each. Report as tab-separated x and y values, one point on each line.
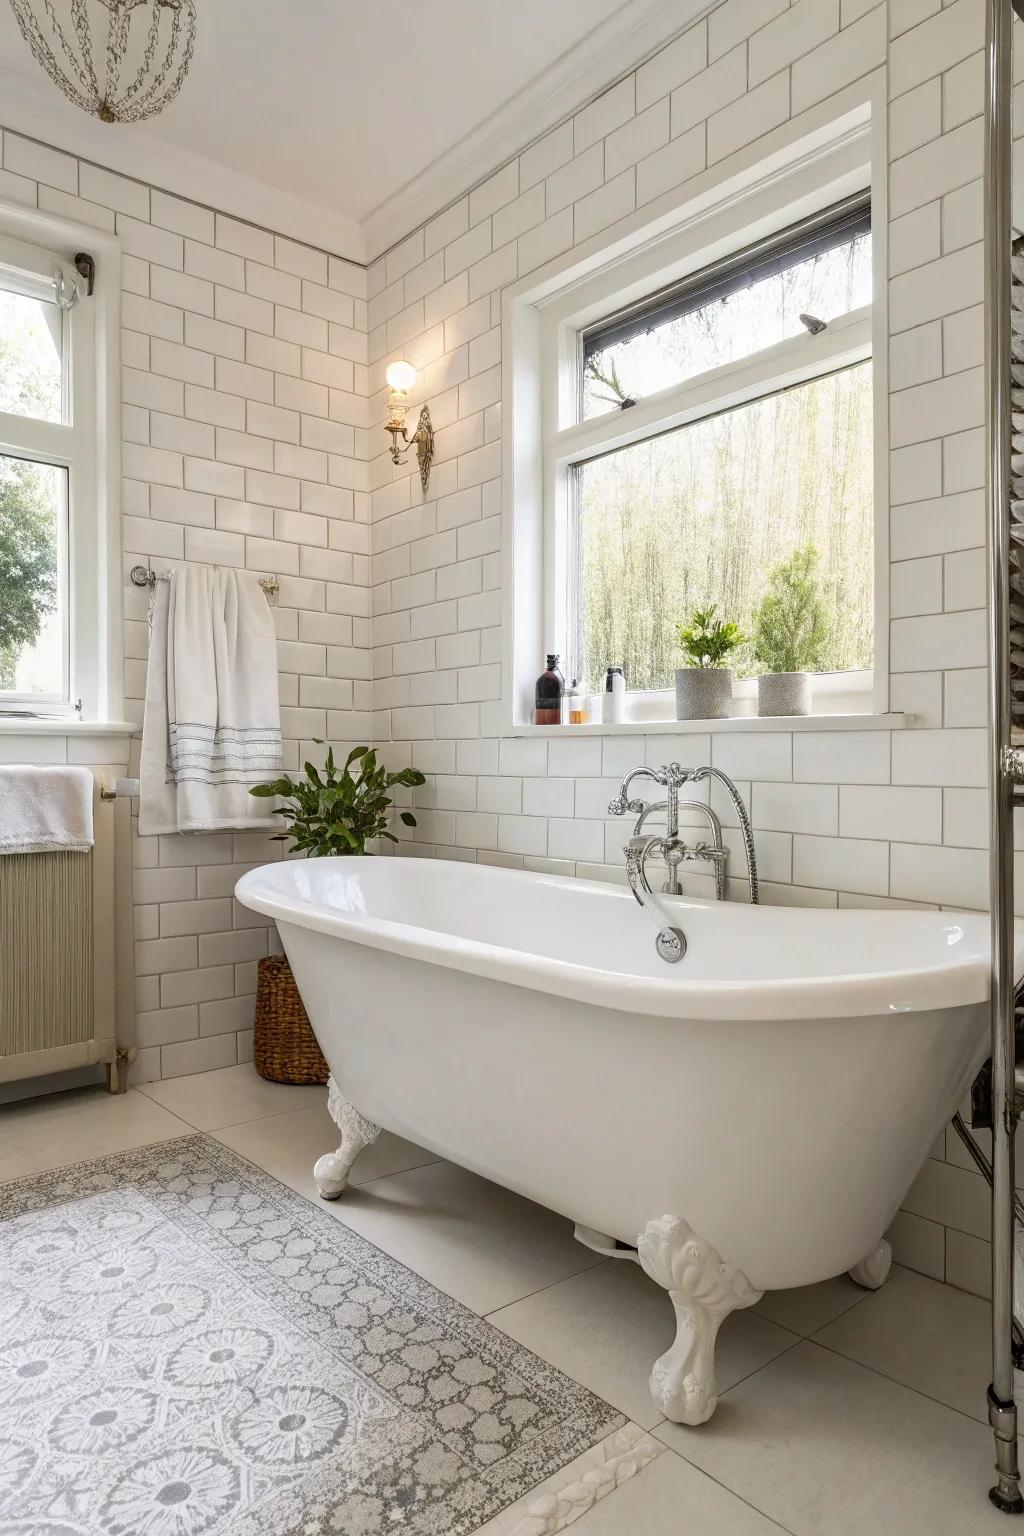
620	805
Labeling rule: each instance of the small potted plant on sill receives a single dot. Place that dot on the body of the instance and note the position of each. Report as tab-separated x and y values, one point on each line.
790	635
704	689
330	812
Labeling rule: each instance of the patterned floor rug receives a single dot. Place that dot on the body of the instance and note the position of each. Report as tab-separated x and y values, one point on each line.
188	1347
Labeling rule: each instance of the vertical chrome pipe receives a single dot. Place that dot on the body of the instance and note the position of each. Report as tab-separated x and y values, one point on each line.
998	148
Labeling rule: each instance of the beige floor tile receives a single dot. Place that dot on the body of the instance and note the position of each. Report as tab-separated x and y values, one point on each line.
607	1326
288	1145
809	1307
211	1100
73	1127
829	1448
926	1335
472	1239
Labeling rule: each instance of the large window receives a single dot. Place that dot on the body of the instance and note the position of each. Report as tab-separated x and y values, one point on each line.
52	526
713	438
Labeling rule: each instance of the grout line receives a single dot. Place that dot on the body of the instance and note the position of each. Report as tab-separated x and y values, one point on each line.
717	1480
379	1177
896	1381
210	1130
488	1316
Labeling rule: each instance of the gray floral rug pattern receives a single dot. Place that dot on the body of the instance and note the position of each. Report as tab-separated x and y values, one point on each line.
188	1347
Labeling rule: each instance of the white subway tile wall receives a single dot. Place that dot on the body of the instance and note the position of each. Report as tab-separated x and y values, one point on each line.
848	818
254	397
242	411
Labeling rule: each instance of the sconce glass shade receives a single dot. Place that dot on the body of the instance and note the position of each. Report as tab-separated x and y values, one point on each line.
400	375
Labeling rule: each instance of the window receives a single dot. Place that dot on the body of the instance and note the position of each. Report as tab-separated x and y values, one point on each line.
694	422
764	469
57	501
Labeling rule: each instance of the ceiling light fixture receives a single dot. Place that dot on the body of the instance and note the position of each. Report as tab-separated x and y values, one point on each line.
401	377
145	47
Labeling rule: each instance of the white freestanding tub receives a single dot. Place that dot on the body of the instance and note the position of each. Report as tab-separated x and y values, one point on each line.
750	1119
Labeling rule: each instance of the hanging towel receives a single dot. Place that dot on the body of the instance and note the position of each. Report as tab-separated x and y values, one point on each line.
42	809
212	726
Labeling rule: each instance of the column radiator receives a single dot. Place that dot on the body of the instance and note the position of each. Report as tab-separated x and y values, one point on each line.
58	960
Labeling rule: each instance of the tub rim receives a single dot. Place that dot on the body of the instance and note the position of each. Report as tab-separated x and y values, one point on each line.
915	989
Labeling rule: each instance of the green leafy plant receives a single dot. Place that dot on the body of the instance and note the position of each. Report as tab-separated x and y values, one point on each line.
707	641
790	621
336	811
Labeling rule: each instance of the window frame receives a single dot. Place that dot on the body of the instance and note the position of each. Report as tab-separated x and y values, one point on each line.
88	445
738	206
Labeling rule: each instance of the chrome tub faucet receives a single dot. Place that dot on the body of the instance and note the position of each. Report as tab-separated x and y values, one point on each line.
671	941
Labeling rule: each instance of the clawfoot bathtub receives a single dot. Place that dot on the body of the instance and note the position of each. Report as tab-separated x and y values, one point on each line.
746	1121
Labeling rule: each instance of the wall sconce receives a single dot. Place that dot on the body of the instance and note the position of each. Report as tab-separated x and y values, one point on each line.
401	377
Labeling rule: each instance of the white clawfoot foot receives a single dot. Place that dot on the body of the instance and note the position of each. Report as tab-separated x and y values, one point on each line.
873	1271
704	1290
332	1170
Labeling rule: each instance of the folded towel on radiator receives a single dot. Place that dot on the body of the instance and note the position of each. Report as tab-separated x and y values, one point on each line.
43	810
212	726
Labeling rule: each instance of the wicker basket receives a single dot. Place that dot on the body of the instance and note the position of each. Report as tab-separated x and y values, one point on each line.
284	1047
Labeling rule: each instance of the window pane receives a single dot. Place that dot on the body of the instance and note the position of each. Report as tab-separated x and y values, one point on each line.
31	357
33	540
706	513
724	330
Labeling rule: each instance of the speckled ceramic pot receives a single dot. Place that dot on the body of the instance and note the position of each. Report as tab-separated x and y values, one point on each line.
784	693
704	693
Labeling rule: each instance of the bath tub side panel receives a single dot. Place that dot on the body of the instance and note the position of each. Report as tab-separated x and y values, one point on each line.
787	1144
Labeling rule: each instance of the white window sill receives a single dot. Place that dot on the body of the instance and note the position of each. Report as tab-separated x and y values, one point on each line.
896	721
52	726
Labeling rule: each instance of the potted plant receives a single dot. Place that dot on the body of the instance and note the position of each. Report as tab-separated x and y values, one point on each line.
704	689
329	812
338	812
790	635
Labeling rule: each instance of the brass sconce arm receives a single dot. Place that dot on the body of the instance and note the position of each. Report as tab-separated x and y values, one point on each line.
422	439
400	378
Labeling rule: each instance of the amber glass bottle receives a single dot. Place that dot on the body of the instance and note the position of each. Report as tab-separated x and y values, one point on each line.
549	695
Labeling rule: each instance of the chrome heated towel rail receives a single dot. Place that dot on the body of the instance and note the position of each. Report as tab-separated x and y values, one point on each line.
1007	762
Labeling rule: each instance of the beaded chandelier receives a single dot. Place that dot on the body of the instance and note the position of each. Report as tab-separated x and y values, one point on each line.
120	60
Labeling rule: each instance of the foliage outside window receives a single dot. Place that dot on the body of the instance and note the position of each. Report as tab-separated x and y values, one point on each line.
709	513
34	487
48	470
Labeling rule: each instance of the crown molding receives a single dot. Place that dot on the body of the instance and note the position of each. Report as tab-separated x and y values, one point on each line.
604	56
38	111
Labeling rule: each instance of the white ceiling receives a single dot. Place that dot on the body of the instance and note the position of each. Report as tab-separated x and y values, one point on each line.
346	123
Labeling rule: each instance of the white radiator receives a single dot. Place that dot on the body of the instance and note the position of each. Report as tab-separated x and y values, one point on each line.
58	956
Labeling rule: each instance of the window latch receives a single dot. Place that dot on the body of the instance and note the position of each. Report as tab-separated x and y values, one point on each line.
85	266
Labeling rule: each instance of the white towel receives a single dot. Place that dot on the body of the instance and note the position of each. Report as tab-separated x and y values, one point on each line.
42	809
212	725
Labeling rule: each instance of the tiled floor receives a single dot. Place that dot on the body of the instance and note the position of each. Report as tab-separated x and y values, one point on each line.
842	1413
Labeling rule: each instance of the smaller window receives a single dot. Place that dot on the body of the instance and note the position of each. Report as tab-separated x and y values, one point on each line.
33	342
744	304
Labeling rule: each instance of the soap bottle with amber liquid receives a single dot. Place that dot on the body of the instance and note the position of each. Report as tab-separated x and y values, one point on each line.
549	695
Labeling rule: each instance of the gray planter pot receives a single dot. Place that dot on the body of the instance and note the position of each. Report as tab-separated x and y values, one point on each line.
704	693
784	693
